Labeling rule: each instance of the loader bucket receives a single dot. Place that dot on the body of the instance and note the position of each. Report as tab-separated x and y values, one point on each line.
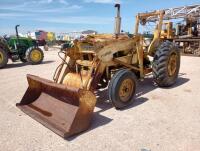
63	109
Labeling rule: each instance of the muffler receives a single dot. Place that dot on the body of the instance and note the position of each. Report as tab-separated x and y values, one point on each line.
117	29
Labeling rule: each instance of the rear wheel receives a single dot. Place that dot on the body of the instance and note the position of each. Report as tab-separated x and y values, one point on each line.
3	58
122	88
166	64
34	55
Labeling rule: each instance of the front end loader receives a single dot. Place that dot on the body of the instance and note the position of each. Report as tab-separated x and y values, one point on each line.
116	61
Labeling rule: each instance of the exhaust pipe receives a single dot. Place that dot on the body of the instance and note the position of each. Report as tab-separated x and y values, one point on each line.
16	29
117	20
17	35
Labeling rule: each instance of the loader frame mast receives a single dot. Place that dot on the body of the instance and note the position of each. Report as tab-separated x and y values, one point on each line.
142	18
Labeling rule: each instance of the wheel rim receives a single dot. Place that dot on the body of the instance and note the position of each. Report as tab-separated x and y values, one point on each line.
126	90
172	64
1	57
36	55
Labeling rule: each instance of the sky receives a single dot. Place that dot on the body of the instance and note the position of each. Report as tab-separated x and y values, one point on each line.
75	15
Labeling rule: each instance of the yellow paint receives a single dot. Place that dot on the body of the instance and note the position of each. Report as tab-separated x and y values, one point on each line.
126	90
50	36
172	64
1	57
36	55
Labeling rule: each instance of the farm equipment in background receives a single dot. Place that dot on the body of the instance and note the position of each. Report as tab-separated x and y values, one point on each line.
186	31
46	39
19	48
66	104
189	36
41	37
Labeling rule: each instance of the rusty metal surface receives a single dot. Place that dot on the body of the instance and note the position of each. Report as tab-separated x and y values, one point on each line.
76	80
63	109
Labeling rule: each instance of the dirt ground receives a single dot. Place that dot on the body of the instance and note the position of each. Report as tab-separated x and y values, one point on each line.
158	120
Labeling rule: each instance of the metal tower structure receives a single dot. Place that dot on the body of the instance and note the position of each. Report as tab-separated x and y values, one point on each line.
192	11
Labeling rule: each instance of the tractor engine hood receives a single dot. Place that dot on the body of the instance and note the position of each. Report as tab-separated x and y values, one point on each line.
102	46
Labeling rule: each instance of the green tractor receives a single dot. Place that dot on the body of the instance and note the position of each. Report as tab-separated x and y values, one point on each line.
19	48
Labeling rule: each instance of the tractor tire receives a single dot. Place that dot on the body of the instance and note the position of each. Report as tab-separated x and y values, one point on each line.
121	89
166	64
34	55
3	58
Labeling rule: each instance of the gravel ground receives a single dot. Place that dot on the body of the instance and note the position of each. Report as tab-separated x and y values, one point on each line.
159	120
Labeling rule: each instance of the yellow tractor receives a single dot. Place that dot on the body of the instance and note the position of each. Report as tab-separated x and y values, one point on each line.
66	104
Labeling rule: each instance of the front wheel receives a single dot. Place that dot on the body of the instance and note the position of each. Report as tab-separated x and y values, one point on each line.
3	58
122	88
166	64
34	55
